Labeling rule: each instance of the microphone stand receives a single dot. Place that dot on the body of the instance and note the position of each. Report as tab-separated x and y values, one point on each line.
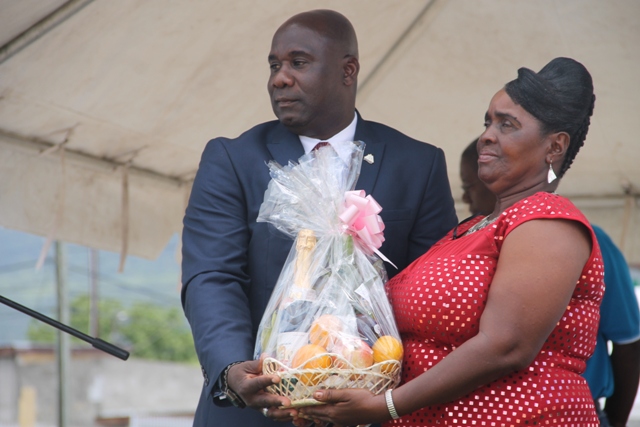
95	342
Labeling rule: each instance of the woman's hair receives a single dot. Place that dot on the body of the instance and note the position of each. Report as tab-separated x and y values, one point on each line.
561	97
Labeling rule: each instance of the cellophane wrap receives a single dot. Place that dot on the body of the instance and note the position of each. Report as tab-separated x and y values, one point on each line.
328	323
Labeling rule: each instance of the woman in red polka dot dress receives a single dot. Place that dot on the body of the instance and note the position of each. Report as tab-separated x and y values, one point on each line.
499	317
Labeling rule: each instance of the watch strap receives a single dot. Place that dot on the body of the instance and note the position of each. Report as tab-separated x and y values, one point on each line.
231	395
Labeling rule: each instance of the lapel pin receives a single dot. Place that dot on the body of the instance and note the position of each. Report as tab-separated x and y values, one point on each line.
369	158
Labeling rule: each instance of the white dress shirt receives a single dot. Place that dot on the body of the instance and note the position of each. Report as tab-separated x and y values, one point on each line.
341	142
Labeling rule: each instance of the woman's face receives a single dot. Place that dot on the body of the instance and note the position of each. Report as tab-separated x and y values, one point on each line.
512	151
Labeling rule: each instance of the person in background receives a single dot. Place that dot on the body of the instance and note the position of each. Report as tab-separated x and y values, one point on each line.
231	262
615	376
499	317
480	199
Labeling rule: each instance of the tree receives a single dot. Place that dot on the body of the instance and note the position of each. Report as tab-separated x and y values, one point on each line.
147	331
158	333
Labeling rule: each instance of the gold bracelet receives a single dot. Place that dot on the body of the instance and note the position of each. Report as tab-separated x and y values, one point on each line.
390	406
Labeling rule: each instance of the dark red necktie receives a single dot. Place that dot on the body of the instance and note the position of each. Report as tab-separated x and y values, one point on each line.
320	145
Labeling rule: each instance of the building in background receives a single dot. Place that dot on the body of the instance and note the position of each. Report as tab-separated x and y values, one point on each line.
103	390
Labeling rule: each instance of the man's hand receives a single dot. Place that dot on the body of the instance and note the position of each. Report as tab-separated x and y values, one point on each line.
247	381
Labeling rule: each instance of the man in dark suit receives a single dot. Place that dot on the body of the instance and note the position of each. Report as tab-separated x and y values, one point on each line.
231	262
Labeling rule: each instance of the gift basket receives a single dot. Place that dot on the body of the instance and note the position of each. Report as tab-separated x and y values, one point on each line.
328	323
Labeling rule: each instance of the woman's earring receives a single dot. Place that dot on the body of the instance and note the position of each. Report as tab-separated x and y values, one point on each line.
551	176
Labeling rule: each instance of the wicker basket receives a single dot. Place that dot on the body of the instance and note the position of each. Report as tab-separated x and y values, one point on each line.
300	384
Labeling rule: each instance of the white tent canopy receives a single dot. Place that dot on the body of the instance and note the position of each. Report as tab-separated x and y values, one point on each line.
132	90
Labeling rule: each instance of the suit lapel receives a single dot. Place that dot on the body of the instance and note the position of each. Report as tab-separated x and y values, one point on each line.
374	149
284	145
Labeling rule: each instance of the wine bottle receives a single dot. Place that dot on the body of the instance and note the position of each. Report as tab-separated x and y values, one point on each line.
297	303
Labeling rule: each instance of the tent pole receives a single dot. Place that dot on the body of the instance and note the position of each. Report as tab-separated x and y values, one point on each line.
422	19
62	349
94	310
40	28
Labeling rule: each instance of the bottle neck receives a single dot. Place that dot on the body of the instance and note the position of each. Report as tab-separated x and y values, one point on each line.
305	243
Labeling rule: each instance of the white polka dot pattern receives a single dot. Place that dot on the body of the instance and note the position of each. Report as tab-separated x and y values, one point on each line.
438	301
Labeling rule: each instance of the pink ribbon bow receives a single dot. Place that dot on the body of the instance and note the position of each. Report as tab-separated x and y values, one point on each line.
361	217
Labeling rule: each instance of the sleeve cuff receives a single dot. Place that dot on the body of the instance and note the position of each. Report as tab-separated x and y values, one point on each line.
219	398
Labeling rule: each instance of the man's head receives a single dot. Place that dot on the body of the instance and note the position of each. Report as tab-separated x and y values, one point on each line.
314	69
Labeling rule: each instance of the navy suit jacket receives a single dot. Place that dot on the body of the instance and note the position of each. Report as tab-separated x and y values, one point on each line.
231	262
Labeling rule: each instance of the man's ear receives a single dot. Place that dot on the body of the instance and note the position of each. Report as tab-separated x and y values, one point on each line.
351	68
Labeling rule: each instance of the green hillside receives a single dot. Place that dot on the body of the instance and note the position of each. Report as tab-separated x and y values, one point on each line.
143	281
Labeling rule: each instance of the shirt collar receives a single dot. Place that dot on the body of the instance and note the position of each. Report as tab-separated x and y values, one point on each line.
341	142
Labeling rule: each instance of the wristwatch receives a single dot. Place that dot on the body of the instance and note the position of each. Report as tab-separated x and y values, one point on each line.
230	395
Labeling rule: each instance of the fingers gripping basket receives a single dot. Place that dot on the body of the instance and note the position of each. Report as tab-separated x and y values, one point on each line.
299	384
328	323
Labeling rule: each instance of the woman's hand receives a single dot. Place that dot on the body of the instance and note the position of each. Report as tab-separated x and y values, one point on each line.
348	407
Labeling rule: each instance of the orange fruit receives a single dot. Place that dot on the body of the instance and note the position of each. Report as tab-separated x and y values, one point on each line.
388	367
387	348
302	360
324	330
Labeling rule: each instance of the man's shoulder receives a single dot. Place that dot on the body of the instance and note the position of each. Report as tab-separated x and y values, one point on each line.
257	134
396	138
